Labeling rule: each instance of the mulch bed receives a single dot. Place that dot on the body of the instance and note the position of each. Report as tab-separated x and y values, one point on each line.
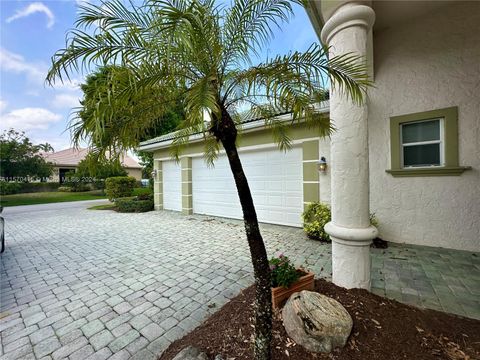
382	329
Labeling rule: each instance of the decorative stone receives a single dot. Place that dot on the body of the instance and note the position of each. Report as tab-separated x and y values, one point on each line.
190	353
316	322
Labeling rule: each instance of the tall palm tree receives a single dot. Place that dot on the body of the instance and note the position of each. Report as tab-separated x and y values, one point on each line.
208	50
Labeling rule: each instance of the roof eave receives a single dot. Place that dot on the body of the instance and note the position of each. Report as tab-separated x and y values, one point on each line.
256	125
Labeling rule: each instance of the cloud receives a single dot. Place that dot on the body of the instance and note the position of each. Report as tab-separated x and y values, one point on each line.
15	63
65	101
29	118
3	105
32	9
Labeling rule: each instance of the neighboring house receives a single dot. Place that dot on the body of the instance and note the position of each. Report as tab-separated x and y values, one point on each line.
412	151
68	159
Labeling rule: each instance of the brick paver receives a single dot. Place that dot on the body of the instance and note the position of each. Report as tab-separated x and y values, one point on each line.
77	283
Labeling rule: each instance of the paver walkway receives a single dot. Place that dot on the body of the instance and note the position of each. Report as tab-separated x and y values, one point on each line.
83	284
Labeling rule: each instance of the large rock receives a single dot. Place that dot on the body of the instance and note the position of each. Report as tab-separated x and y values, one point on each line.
316	322
190	353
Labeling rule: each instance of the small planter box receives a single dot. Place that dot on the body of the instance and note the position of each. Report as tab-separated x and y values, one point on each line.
280	294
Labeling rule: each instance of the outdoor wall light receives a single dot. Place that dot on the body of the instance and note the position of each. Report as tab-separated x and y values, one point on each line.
322	165
154	173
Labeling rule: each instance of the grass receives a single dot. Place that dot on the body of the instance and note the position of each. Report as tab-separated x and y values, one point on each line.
49	197
102	207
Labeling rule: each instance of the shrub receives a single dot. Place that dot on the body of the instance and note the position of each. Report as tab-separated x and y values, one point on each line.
65	189
7	188
129	205
142	191
283	271
10	187
119	187
316	216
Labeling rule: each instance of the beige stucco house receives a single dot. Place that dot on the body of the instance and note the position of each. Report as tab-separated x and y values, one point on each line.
410	154
68	159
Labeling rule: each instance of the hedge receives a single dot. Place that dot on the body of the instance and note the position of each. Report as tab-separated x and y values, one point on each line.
134	205
7	188
119	187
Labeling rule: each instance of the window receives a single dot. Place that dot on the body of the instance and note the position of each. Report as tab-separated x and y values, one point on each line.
425	144
422	143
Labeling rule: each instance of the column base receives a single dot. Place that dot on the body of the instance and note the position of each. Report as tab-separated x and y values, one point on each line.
351	255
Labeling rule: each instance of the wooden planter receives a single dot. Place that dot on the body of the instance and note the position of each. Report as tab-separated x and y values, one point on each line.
280	294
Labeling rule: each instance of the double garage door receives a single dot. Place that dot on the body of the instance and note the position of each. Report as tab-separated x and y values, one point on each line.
275	180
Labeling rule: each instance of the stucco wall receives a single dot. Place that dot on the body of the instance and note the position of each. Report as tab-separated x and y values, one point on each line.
136	173
426	64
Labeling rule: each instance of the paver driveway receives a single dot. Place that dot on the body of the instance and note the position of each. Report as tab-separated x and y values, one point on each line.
83	284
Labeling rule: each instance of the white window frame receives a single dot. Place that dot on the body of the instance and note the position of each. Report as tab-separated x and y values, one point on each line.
441	141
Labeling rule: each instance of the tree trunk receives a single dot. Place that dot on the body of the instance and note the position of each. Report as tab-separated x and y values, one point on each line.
226	132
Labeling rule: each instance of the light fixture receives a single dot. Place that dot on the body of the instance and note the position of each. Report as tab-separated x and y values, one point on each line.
322	165
154	173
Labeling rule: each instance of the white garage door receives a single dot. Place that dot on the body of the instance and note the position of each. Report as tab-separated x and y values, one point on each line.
275	179
172	186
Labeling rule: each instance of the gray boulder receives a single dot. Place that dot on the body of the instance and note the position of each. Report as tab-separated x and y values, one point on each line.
190	353
316	322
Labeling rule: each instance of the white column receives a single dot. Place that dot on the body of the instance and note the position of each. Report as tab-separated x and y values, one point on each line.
347	32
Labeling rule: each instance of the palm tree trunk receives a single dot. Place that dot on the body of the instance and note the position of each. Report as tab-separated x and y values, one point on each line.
263	305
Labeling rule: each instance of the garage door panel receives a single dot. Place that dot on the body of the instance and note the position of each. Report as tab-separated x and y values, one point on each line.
172	186
275	180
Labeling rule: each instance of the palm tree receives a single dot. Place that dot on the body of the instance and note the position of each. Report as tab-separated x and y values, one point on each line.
207	50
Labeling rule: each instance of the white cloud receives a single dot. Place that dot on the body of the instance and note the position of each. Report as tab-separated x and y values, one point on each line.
3	105
32	9
70	85
15	63
29	118
65	101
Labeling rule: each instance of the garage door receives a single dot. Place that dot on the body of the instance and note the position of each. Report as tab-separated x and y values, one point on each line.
172	186
275	180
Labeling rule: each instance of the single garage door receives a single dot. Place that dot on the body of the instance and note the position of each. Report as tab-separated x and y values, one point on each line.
275	180
172	186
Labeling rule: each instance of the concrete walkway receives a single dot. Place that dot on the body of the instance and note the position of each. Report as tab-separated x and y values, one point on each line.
83	284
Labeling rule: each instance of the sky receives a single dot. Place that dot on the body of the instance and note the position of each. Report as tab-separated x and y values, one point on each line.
32	31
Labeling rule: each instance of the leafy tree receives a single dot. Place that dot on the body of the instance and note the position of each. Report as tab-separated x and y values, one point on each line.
21	159
102	85
201	54
95	170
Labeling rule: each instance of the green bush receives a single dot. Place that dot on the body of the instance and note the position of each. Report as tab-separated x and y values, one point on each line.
283	271
7	188
142	191
316	216
64	189
119	187
134	204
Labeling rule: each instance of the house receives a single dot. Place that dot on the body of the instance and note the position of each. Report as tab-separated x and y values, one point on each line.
410	153
68	159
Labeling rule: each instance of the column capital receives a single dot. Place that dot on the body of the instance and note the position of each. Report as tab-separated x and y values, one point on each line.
346	16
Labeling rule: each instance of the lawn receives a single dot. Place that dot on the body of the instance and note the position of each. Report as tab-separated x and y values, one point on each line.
49	197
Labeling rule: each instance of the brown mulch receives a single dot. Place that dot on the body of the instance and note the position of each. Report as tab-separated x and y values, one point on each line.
382	329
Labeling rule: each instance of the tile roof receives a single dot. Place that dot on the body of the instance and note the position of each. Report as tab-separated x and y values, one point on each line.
72	156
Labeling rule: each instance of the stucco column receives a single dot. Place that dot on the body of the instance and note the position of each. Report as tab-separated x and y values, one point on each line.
347	31
158	185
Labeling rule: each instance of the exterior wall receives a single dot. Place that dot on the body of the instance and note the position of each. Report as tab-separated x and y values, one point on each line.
55	177
136	173
324	178
158	185
428	63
